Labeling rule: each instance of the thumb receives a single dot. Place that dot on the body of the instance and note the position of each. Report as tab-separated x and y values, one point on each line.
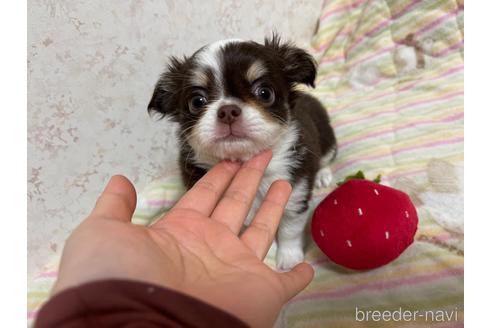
117	201
296	279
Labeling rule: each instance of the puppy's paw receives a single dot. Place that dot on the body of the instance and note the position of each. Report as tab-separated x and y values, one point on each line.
289	257
323	178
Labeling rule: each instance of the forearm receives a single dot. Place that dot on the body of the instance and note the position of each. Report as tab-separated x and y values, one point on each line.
117	303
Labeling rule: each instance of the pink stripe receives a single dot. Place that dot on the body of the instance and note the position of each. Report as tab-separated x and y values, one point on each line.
344	33
404	10
436	22
338	124
444	237
340	32
416	103
398	109
383	24
333	59
323	46
446	51
405	126
329	78
48	274
360	61
448	72
377	54
382	285
395	152
395	176
32	314
404	88
342	8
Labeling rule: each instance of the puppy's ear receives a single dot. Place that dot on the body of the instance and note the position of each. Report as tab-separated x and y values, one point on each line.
165	99
297	64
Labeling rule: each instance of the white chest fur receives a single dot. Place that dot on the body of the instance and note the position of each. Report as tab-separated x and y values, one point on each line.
282	162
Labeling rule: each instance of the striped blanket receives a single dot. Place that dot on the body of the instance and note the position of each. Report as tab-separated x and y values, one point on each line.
391	76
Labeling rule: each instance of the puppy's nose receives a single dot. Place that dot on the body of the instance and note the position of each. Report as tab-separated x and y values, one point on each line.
228	114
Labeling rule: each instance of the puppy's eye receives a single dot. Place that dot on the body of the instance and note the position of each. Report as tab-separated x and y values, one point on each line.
265	94
196	103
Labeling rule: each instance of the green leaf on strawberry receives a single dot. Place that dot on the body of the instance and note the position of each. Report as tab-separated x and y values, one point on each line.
359	175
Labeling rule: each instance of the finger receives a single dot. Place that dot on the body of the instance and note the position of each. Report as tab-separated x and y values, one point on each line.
117	201
206	192
296	279
236	202
259	235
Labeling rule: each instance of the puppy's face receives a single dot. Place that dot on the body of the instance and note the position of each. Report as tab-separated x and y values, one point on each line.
232	98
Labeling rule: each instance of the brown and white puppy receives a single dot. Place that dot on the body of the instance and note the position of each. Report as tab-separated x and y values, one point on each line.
233	99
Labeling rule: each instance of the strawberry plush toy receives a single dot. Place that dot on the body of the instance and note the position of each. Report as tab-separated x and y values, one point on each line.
363	225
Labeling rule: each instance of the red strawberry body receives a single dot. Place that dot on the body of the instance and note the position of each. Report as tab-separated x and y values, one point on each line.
363	225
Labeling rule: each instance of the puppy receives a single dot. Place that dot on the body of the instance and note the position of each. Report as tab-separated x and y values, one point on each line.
233	99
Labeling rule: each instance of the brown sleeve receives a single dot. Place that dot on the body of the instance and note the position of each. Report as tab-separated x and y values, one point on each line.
131	304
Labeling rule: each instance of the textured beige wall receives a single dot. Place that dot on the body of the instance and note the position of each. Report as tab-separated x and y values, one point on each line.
91	70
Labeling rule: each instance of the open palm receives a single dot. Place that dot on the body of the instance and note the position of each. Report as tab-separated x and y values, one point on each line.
196	248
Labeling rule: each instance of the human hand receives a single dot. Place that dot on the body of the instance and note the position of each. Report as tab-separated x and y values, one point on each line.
195	248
